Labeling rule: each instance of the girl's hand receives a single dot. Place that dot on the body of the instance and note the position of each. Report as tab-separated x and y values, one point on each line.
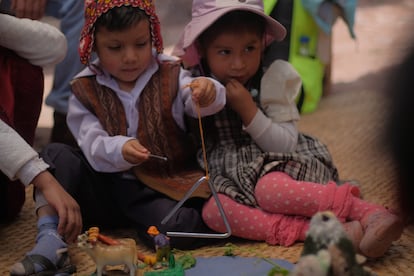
240	100
203	91
134	152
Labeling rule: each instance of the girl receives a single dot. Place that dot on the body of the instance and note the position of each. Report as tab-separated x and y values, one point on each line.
126	106
267	172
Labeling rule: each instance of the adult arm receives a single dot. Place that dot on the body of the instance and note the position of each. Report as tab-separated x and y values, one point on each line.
20	161
40	43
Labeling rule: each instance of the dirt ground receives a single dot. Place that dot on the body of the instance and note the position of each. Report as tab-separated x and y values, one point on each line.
383	29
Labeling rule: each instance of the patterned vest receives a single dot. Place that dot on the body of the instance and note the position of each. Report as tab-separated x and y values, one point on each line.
157	130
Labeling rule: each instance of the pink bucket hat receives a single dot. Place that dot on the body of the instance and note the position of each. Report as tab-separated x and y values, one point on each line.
95	8
206	12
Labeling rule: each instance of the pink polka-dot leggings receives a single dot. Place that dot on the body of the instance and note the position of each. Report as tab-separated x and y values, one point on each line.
285	208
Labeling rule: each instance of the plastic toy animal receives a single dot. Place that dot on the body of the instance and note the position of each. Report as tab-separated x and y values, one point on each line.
327	250
119	252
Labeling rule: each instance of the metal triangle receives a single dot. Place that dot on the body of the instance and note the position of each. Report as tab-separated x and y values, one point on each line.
200	235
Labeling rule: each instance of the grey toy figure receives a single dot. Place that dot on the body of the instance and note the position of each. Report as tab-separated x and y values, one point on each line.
328	251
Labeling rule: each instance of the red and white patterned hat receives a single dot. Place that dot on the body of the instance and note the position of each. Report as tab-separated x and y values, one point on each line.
95	8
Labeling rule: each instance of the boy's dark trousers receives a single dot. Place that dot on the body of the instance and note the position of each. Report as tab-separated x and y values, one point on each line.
109	200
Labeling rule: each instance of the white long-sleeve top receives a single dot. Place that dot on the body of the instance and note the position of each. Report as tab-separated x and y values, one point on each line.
18	159
273	136
104	152
38	42
277	131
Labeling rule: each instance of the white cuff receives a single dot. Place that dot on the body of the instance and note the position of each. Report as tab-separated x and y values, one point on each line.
31	169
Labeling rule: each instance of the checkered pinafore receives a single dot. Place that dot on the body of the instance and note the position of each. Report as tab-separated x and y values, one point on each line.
236	162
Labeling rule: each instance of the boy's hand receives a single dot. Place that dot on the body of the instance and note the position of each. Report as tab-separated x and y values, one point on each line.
203	91
134	152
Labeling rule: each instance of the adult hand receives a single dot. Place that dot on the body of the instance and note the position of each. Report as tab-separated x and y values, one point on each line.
68	210
33	9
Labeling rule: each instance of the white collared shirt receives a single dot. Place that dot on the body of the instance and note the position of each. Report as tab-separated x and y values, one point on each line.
104	152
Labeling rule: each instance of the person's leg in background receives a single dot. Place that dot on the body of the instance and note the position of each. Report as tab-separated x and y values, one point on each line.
70	13
21	94
71	16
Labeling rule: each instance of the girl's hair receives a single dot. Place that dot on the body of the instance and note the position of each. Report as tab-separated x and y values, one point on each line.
120	18
235	22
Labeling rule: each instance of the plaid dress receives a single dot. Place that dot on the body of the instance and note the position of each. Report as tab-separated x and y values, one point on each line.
236	163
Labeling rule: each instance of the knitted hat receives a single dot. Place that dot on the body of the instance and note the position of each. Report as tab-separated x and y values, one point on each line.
95	8
206	12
